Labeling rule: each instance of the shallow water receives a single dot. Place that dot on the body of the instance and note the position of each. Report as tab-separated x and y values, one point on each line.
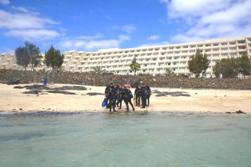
124	140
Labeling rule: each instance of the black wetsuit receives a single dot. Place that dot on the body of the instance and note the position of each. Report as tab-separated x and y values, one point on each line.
107	92
112	98
148	94
127	96
110	95
120	92
137	94
143	96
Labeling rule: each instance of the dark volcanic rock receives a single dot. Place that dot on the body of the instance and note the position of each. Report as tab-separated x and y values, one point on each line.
94	94
104	79
13	81
240	112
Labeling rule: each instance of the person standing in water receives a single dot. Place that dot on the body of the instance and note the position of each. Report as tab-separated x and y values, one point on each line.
107	92
137	94
148	95
143	95
112	98
110	95
127	96
120	92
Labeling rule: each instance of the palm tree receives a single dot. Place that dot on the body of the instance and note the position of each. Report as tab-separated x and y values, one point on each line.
98	70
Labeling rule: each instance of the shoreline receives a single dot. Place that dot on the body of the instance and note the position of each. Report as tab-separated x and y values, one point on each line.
61	113
69	98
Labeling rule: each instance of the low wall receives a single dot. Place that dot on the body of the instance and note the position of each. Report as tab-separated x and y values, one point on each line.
104	79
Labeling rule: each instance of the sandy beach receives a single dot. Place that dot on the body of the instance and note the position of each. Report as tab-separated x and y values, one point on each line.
19	99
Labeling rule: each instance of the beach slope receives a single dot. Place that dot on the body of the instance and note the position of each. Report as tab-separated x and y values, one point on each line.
79	98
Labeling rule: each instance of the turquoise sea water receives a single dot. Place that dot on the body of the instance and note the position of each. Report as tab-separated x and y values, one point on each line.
125	140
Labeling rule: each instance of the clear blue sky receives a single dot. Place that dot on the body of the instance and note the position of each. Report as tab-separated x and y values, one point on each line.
98	24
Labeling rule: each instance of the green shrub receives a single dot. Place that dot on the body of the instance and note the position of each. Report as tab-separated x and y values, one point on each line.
231	67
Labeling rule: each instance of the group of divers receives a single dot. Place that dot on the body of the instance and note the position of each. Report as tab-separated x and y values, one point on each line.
116	94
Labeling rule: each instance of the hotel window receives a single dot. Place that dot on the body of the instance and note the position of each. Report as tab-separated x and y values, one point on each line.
241	41
242	47
242	52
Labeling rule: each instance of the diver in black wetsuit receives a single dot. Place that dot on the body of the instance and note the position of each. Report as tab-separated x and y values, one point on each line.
137	94
148	95
110	95
127	96
120	92
112	98
107	90
143	96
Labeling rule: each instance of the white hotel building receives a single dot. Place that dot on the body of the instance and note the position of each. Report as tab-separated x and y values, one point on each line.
153	59
156	59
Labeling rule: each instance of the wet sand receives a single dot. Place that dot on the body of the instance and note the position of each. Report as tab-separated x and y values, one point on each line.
162	99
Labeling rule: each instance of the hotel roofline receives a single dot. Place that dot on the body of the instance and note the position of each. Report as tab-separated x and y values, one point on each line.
226	39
